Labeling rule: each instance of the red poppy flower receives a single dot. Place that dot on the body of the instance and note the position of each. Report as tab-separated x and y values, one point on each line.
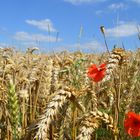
97	73
132	124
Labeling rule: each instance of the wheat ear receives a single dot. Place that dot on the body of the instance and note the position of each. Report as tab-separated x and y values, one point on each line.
89	124
13	109
51	111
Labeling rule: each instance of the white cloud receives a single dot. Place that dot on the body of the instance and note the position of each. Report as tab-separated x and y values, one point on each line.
87	46
112	7
45	24
117	6
3	45
93	45
24	36
122	30
137	1
32	43
77	2
98	12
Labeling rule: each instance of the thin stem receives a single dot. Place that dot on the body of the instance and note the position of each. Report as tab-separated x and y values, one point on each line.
106	43
51	132
30	103
74	116
117	108
119	92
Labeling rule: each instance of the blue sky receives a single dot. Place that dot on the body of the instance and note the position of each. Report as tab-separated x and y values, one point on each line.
64	24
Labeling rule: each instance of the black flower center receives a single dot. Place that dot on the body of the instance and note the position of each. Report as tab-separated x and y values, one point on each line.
136	122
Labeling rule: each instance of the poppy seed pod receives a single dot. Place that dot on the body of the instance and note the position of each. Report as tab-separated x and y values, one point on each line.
102	29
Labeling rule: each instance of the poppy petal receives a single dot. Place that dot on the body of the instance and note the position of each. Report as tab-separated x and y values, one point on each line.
102	65
132	124
97	74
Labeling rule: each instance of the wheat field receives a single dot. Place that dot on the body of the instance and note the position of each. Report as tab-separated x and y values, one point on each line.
50	97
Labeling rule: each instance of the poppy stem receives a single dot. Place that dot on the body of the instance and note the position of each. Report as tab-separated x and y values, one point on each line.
106	43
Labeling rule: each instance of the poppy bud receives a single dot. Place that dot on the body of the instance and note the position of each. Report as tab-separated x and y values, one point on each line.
102	29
